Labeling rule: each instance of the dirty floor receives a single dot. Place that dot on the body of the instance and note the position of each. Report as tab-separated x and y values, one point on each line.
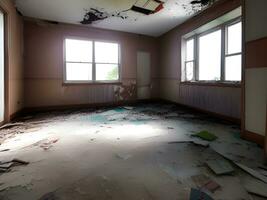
142	152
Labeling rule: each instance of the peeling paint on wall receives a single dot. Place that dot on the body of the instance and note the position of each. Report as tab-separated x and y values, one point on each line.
126	91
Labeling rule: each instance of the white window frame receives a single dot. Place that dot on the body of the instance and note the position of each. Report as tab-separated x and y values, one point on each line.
224	54
93	81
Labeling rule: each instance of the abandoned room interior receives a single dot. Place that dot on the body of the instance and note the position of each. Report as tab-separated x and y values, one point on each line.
133	100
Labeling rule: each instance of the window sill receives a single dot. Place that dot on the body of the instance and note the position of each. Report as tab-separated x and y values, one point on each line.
215	84
91	83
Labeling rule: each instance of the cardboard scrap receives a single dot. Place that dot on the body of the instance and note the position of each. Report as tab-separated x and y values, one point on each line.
196	194
252	172
205	183
205	135
220	167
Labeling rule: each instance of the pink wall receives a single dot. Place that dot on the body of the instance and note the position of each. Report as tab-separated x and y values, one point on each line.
203	97
44	64
14	61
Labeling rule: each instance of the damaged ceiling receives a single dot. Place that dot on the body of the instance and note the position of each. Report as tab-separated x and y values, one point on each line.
148	17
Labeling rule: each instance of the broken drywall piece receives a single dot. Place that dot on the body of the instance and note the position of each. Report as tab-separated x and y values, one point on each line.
205	135
205	183
148	7
220	167
256	187
252	172
196	194
201	143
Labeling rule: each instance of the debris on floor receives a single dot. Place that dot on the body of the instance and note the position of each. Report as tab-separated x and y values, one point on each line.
123	156
256	187
220	167
203	182
196	194
252	172
9	125
6	166
128	107
129	145
205	135
196	142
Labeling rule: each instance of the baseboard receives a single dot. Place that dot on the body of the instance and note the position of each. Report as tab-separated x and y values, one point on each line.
16	115
29	110
254	137
214	114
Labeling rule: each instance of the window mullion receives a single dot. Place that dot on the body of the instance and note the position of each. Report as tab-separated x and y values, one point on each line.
223	52
93	64
196	56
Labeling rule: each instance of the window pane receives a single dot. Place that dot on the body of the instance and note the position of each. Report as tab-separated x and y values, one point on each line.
210	56
190	50
106	52
78	50
107	72
233	68
189	71
78	72
234	38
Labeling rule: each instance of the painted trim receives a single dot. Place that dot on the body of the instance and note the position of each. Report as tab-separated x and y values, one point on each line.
243	88
254	137
6	65
265	146
29	110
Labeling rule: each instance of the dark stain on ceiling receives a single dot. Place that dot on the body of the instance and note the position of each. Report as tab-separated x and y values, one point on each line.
95	14
145	7
202	2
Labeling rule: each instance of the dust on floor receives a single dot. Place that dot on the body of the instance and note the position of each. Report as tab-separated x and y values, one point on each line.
142	152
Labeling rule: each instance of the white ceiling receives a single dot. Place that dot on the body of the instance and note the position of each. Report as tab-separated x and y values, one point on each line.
174	13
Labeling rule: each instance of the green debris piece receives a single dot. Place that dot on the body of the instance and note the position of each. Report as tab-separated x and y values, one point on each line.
119	110
205	135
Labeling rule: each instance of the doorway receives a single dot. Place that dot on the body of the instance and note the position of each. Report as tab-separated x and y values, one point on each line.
143	75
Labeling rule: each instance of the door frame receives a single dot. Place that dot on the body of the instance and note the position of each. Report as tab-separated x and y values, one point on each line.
6	69
150	75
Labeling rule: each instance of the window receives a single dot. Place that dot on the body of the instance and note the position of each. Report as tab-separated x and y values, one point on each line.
214	55
190	59
91	61
233	52
210	56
